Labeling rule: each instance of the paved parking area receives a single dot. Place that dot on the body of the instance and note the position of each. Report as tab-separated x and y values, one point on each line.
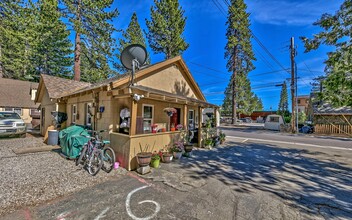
30	179
238	180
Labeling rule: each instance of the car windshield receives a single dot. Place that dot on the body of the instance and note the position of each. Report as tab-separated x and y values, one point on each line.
9	115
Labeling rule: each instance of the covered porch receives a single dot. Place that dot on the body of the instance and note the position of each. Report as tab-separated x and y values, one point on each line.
144	124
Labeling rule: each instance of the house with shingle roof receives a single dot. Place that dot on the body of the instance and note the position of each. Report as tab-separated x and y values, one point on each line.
18	96
133	112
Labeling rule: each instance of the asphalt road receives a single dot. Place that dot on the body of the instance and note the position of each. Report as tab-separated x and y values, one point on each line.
255	175
259	135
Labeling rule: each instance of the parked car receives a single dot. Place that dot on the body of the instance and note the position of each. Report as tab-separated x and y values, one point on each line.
246	120
11	124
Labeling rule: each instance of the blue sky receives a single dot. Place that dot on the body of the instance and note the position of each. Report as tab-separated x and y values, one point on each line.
273	22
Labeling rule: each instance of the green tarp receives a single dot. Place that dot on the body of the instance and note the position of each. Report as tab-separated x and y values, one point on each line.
72	140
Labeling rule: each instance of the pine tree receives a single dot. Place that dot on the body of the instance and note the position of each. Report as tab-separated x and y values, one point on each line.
239	55
132	35
166	27
15	38
33	40
91	22
53	49
283	104
336	32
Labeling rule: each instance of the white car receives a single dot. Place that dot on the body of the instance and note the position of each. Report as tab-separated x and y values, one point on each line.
11	124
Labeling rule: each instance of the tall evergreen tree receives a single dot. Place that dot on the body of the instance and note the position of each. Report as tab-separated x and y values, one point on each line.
336	32
132	35
283	104
166	27
53	47
239	55
91	22
33	39
15	41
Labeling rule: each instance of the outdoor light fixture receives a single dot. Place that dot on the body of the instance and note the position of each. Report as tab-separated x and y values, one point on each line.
137	97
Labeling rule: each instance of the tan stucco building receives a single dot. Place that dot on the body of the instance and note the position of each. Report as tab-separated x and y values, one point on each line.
128	109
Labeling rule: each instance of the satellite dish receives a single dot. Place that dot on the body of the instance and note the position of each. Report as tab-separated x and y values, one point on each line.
133	55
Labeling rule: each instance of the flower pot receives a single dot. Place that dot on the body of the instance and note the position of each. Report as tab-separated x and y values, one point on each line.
177	155
144	159
172	129
167	158
188	147
155	163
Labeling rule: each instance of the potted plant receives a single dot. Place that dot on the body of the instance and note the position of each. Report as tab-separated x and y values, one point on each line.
170	111
222	137
208	143
172	127
177	149
179	127
166	155
155	159
144	157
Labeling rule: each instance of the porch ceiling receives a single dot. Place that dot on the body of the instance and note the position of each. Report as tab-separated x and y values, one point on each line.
163	96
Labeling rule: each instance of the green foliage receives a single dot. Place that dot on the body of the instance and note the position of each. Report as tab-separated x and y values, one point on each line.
92	22
337	88
166	27
33	39
301	117
132	35
239	55
283	104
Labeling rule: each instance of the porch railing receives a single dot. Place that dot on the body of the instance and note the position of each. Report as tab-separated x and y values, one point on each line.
333	129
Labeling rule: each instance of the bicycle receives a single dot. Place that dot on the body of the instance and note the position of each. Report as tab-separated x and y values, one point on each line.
91	156
108	154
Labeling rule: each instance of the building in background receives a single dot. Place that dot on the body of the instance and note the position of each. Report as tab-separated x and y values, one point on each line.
18	96
303	102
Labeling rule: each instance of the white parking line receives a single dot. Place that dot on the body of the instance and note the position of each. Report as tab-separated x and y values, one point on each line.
286	142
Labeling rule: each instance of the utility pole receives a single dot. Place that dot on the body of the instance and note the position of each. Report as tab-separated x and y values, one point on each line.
293	54
234	103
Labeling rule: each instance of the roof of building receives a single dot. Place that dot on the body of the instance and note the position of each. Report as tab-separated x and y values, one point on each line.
16	93
303	96
327	109
58	87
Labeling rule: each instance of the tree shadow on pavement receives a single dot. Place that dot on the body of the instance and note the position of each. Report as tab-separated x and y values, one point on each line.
308	180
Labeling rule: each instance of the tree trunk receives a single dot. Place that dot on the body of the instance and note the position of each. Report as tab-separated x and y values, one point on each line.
77	64
1	69
234	113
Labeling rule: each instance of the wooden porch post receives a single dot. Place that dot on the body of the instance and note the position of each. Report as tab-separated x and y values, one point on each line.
215	116
185	114
200	126
133	122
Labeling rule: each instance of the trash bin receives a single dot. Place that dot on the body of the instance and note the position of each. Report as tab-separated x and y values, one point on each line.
53	137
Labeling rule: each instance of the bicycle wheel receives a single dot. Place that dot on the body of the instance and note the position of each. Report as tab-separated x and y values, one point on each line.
108	159
82	156
95	162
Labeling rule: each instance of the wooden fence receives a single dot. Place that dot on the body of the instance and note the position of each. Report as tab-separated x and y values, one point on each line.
333	129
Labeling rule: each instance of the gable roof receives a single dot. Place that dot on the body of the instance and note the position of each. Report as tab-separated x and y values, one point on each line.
152	69
58	87
16	93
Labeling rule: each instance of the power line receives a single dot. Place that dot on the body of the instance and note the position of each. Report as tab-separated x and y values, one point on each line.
209	68
218	5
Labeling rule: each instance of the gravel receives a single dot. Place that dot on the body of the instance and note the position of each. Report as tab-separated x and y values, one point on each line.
34	178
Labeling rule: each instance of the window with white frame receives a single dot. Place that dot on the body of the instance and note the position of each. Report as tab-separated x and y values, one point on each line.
148	113
191	119
88	116
17	110
74	113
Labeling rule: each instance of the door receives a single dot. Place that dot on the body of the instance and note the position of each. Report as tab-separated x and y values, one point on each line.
175	118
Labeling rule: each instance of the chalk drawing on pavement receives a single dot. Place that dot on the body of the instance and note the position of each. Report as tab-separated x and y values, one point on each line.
128	207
